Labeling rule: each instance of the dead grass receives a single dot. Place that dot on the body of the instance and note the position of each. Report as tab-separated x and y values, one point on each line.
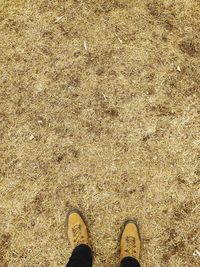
100	110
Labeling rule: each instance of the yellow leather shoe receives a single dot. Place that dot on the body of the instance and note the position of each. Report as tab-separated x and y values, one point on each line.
77	229
130	240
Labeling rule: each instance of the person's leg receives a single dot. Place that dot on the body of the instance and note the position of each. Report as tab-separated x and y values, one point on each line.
129	262
79	240
130	245
81	257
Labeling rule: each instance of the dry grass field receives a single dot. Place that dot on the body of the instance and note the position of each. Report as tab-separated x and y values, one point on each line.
100	110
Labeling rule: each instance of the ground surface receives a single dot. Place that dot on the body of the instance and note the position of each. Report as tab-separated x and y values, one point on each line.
100	106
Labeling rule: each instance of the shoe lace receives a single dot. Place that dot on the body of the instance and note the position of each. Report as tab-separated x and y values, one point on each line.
131	245
77	234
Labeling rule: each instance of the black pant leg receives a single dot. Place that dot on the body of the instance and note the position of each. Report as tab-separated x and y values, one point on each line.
81	257
129	262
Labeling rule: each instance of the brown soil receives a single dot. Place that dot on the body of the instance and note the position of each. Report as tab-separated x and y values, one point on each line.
100	106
